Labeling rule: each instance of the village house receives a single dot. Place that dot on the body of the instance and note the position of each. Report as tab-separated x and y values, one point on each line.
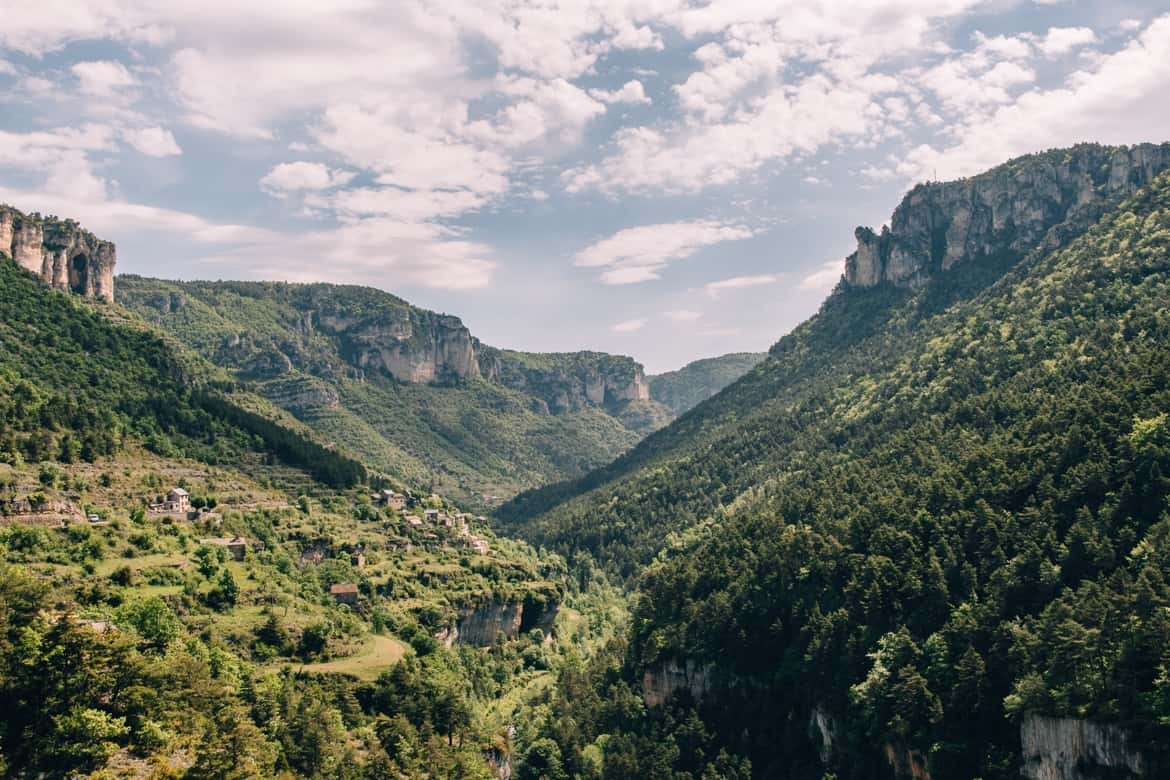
358	559
177	501
237	546
414	520
344	593
432	515
389	498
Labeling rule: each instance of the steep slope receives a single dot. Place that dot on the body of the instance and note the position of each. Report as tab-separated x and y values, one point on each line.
78	383
748	433
943	558
269	618
697	381
411	391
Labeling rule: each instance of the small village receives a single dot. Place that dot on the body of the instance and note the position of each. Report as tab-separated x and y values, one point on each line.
411	521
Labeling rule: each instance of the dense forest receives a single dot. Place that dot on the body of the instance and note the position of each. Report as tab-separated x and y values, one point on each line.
927	536
689	386
931	515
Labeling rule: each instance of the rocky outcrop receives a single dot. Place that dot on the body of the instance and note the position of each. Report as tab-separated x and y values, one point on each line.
412	345
302	394
907	763
1069	749
481	625
60	252
822	728
1028	202
568	381
663	681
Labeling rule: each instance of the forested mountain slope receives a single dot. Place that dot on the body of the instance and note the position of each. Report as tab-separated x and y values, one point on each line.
938	549
756	429
697	381
411	391
77	383
192	586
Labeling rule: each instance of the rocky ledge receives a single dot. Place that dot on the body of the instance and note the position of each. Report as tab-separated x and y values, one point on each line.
1009	208
59	251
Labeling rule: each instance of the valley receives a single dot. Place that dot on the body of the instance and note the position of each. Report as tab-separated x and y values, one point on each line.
262	529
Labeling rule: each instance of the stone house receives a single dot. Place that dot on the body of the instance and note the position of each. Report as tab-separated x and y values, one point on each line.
344	593
395	501
237	546
177	500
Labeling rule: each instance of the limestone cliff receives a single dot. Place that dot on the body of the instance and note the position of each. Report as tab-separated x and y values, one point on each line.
59	251
412	345
570	381
1021	204
662	681
481	625
1069	749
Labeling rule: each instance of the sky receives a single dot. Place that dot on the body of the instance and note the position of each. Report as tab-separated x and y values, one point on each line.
668	179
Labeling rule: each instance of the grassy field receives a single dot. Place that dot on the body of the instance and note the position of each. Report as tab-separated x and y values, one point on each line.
376	655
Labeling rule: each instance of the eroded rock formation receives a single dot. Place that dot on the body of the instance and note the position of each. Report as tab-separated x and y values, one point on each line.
661	682
482	624
60	252
412	345
1069	749
1022	203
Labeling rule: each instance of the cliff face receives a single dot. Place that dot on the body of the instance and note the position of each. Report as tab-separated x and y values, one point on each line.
412	345
569	381
661	682
60	252
1016	206
1067	749
481	625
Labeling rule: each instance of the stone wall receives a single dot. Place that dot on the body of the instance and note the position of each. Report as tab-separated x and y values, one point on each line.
64	255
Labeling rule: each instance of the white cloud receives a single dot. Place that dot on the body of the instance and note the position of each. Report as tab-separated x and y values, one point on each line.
787	121
102	78
47	25
824	278
1061	40
555	109
740	282
682	315
152	141
639	254
417	149
630	92
1122	101
300	176
377	252
629	326
112	217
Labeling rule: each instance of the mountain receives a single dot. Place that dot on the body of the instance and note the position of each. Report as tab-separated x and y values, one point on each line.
928	536
193	585
741	437
697	381
410	391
